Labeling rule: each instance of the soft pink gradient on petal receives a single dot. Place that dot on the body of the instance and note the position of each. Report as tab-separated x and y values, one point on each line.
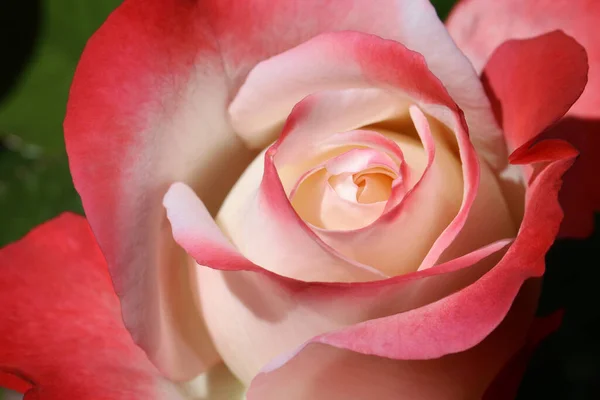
188	217
367	61
142	113
60	326
278	313
458	322
148	107
480	27
323	372
274	86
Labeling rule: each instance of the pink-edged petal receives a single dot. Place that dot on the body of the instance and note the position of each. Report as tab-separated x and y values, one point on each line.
142	113
473	312
325	125
272	314
368	61
322	372
60	326
275	85
399	241
480	27
458	322
534	82
281	244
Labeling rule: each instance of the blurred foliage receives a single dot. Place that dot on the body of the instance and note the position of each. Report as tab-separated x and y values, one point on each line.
44	39
34	110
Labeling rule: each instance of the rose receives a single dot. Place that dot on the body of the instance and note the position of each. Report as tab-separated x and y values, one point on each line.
363	246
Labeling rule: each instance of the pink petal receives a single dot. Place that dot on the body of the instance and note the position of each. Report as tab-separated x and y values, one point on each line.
60	326
142	114
323	372
277	314
371	62
398	242
454	324
282	246
534	83
319	203
275	85
481	26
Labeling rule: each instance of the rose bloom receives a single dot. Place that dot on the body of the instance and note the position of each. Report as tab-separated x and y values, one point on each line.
302	199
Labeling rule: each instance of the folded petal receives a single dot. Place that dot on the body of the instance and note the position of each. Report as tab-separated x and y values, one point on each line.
534	82
271	314
399	241
322	372
355	60
60	326
480	26
456	323
275	85
141	115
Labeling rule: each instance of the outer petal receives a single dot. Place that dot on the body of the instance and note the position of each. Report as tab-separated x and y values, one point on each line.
148	107
60	326
323	372
270	92
479	27
533	83
142	114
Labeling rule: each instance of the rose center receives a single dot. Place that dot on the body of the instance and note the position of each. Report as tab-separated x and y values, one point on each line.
369	186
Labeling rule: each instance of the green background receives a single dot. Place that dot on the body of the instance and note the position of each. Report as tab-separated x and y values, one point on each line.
41	42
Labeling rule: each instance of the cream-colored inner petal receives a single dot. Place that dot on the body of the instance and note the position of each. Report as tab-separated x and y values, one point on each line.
349	191
373	187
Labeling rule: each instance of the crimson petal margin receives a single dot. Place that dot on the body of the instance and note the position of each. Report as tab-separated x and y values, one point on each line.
480	26
60	326
533	83
275	85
